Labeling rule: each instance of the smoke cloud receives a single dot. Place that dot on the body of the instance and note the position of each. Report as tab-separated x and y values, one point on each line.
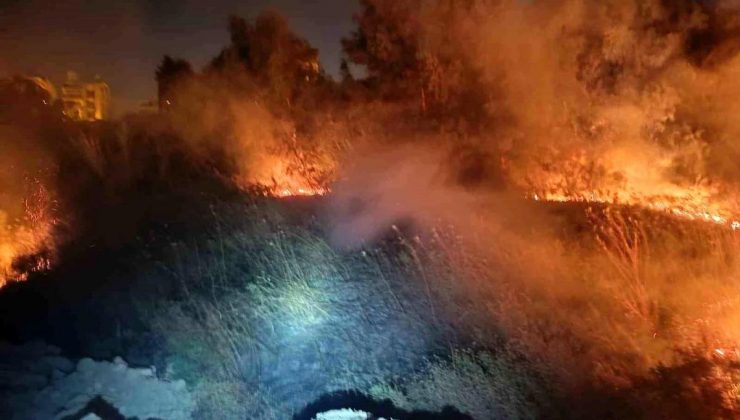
630	102
610	101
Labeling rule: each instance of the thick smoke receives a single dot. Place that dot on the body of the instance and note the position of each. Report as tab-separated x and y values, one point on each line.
246	140
612	101
636	93
388	186
631	102
625	101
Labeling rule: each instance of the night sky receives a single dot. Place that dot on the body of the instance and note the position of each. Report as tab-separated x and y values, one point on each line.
124	40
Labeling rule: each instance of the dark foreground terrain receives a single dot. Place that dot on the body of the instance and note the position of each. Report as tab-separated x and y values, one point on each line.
240	307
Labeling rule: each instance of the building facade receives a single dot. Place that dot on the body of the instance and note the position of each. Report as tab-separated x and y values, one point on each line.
85	101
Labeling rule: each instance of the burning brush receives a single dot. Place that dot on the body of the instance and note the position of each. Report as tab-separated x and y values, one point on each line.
27	245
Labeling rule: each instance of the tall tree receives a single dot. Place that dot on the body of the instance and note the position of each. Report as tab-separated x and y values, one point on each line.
386	43
271	53
169	73
410	52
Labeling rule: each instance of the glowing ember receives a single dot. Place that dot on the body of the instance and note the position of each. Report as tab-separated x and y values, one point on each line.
286	176
301	192
614	179
286	183
679	209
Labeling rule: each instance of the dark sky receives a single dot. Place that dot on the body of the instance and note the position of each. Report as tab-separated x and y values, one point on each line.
124	40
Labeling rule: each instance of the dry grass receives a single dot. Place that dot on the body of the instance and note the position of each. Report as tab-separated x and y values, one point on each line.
245	291
624	305
484	385
239	292
612	305
608	307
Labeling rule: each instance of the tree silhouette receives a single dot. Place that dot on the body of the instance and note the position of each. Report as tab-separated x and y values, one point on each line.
408	57
169	73
272	54
386	43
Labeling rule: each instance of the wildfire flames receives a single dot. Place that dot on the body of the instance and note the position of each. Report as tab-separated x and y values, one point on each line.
298	192
628	109
288	176
694	205
26	245
282	184
634	182
286	185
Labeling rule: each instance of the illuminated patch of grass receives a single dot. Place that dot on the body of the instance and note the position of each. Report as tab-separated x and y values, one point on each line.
263	298
236	294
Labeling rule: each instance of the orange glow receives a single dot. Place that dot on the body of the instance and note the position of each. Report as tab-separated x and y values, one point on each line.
686	209
299	192
284	176
30	238
634	182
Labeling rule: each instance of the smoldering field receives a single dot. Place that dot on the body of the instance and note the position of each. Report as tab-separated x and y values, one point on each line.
555	180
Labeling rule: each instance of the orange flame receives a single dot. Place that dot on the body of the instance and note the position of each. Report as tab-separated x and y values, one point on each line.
686	209
284	177
29	237
634	182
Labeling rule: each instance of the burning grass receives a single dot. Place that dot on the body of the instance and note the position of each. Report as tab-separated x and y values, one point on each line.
600	110
27	243
614	306
687	202
288	176
617	305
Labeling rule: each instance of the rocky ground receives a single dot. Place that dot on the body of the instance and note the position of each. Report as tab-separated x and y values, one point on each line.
37	382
